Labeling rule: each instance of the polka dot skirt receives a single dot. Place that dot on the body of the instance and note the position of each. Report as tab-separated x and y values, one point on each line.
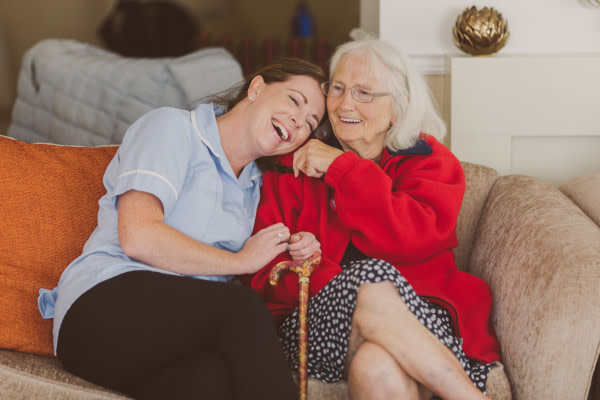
330	313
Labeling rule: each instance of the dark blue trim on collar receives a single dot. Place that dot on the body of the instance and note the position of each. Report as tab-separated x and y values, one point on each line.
419	148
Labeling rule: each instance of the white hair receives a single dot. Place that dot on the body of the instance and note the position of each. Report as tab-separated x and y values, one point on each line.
413	104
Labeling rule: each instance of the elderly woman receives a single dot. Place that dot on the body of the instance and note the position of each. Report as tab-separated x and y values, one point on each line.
381	196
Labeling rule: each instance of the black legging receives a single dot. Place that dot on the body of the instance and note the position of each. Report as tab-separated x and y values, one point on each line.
159	336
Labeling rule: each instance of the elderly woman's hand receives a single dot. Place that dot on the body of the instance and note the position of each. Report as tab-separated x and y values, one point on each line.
314	158
302	245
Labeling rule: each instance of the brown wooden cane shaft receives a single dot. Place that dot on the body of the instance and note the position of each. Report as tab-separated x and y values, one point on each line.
303	336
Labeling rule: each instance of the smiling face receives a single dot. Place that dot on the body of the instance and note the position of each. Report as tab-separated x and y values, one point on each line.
285	113
360	127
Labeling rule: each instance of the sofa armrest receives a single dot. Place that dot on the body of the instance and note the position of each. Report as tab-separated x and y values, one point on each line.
541	256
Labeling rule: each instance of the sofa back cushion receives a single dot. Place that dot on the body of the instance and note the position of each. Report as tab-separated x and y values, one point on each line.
584	190
48	206
479	181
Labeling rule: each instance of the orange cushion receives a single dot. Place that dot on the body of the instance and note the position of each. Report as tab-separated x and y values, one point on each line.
48	208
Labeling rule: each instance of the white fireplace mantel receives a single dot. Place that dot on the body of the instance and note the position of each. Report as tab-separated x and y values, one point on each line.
423	29
535	115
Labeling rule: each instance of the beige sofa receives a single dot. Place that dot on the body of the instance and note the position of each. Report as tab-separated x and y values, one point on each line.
585	192
536	248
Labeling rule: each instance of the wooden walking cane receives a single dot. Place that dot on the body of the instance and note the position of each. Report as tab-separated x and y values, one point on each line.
304	269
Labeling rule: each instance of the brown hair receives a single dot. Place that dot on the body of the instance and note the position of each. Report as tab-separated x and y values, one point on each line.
279	71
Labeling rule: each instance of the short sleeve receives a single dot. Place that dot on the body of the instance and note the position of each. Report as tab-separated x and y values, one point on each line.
154	156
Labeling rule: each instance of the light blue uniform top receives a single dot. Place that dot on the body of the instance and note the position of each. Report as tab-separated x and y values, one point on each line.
177	156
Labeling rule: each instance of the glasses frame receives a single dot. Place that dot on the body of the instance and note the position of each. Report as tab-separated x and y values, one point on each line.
353	90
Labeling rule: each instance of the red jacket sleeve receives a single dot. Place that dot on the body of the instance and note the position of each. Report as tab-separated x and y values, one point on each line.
404	213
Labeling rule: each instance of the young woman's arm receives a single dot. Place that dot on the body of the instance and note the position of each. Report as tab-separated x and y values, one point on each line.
145	237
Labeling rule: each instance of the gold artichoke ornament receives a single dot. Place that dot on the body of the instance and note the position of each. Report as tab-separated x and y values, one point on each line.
480	32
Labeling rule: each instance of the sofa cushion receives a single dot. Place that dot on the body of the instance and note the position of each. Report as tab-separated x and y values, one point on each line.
479	181
29	376
497	386
49	202
585	192
539	253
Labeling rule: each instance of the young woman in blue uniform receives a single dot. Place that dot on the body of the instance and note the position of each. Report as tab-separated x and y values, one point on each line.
148	308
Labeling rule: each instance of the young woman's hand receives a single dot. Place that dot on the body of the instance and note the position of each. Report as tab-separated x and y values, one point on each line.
262	247
303	245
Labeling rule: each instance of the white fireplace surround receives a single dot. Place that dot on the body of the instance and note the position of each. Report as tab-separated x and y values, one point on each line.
423	28
533	115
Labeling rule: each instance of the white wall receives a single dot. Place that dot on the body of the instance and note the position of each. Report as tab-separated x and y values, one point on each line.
564	30
537	115
423	28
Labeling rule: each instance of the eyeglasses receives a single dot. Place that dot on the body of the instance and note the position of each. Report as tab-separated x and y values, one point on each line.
336	89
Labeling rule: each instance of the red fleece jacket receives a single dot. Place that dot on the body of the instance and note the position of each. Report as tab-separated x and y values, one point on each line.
403	210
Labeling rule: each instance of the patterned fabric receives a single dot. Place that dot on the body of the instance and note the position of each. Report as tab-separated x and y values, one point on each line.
330	314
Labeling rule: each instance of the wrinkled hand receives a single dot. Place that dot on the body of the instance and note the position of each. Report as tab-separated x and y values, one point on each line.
262	247
314	158
302	245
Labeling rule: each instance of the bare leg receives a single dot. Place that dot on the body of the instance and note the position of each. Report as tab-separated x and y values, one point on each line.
382	318
374	374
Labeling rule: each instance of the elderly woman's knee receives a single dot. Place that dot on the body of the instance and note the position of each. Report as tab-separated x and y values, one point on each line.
370	360
374	371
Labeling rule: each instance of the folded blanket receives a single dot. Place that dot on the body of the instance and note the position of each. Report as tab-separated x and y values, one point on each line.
77	94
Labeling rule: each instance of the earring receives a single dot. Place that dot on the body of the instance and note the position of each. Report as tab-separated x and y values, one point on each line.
250	98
